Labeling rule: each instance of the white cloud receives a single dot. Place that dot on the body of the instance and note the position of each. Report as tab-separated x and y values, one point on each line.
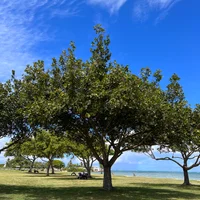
112	5
131	158
22	27
143	8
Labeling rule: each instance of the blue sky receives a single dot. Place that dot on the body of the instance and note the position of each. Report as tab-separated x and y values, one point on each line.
160	34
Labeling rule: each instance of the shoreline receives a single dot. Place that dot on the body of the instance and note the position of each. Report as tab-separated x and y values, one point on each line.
155	174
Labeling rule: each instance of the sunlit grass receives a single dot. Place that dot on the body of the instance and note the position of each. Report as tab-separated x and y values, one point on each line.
16	185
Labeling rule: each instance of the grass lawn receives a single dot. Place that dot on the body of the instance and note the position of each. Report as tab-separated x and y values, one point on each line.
18	185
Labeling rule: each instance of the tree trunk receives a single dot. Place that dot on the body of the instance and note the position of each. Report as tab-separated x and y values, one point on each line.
87	167
32	165
186	177
107	179
48	168
89	172
52	169
31	168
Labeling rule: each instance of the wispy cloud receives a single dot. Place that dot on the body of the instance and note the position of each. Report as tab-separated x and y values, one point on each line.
112	5
143	8
22	27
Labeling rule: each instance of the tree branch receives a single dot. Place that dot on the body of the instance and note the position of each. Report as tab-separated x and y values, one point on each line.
168	158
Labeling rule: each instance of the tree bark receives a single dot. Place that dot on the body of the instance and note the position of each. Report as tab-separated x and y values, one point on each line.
186	177
107	180
89	172
48	168
87	167
52	169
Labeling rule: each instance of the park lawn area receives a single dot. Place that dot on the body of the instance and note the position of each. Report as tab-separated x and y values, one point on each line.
17	185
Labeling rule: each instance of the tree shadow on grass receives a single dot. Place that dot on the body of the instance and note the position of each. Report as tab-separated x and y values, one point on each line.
10	192
171	185
60	177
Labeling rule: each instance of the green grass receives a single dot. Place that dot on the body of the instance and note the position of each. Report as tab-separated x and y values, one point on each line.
15	185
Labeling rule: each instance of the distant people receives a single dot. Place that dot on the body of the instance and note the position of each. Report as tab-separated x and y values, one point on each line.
36	171
82	175
134	174
73	174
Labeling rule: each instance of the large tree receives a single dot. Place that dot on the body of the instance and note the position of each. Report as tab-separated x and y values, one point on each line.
104	105
98	103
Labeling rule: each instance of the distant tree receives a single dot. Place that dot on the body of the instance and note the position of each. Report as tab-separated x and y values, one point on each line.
74	167
58	164
84	154
40	165
49	146
17	162
27	150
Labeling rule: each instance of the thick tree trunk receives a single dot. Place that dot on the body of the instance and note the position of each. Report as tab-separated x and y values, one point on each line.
186	177
107	179
89	172
48	168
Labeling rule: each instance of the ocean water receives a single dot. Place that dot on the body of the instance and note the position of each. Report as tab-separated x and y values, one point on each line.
157	174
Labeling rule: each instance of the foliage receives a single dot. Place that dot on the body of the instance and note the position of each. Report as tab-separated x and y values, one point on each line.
17	162
26	151
99	105
58	164
104	106
45	145
13	122
49	146
40	165
182	134
74	167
